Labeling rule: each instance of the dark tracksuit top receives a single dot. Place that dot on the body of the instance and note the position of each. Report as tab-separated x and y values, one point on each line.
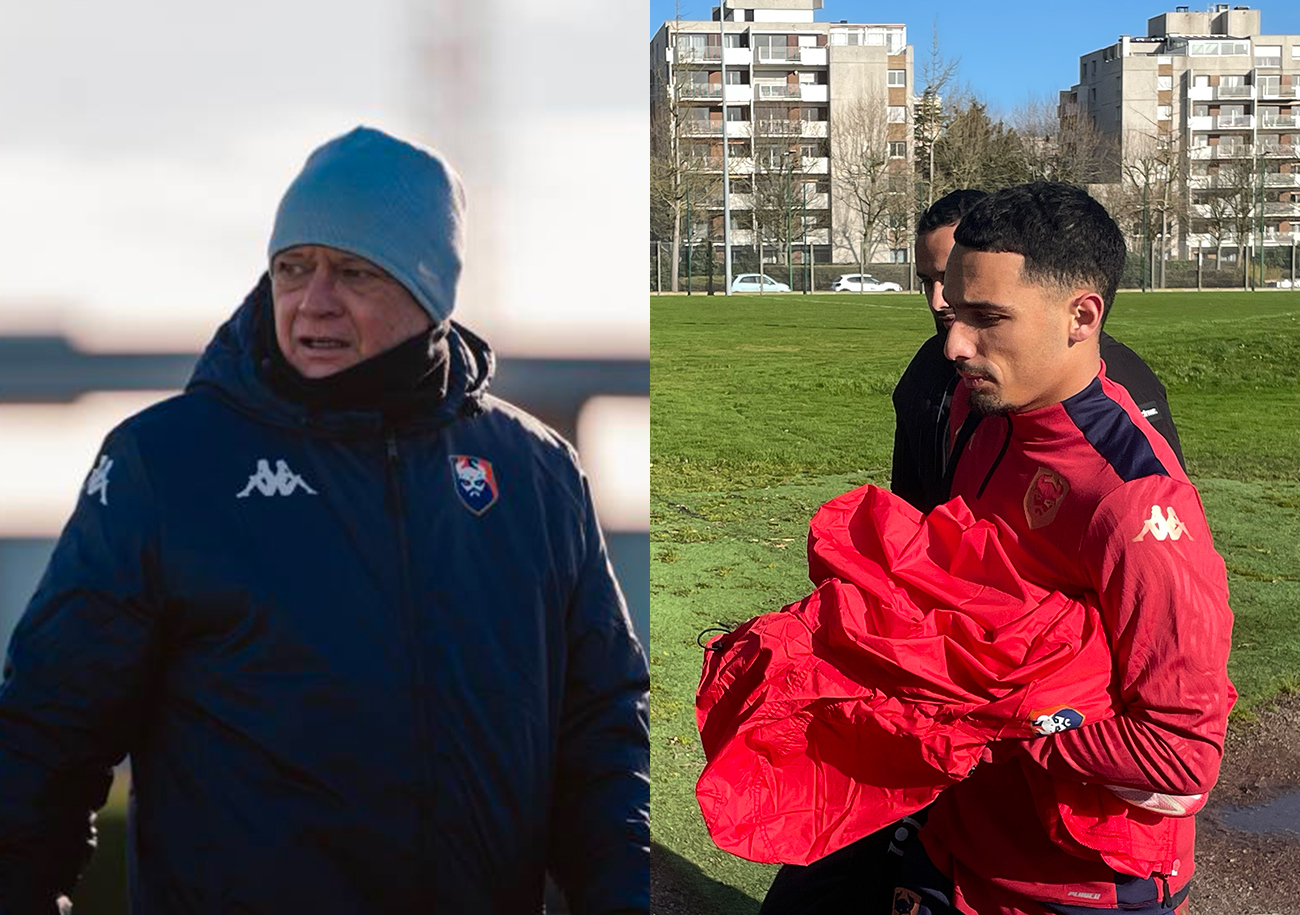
360	664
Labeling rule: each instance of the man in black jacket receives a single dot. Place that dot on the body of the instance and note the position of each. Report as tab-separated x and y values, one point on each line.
861	876
350	616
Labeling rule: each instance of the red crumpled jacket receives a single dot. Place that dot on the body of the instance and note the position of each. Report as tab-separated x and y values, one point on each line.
857	705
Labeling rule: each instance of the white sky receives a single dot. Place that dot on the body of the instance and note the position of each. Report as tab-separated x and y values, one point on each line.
144	146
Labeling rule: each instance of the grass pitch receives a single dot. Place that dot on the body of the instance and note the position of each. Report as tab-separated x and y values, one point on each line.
764	407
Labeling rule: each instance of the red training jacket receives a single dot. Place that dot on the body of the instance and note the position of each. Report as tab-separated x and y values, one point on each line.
857	705
1089	500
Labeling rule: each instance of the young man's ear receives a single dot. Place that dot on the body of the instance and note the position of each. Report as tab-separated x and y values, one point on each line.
1086	312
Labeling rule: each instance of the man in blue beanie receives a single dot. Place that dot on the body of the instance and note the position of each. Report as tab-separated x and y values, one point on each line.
350	616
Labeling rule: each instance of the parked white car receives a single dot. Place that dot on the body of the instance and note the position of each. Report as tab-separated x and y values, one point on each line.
863	282
757	282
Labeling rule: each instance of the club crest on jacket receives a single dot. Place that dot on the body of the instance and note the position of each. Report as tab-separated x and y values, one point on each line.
1047	490
476	482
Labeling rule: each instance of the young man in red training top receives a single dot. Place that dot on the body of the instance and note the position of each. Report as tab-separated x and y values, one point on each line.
1094	816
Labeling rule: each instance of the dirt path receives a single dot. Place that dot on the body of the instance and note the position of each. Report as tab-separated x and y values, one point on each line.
1238	872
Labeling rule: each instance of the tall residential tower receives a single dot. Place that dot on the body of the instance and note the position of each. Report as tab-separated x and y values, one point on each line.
817	117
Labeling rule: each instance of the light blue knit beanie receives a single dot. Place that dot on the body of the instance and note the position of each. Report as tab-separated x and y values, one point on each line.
398	206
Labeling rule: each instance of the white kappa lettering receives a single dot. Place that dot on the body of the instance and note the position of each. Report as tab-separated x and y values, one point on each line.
1163	526
97	482
283	482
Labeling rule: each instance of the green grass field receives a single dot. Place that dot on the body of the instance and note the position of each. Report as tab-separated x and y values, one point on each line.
763	408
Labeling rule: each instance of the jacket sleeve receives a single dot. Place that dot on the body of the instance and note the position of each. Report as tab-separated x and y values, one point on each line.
69	704
600	817
1164	598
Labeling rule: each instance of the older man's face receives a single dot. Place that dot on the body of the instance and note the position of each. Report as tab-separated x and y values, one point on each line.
334	309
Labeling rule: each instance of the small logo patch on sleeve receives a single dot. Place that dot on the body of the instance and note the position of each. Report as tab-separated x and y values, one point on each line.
1166	526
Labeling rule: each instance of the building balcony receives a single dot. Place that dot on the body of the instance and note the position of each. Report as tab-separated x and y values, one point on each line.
778	127
1279	180
814	202
693	55
738	57
1235	122
1281	209
742	236
820	165
695	91
777	55
1200	122
1270	91
776	90
814	129
1214	93
808	57
698	127
703	163
815	93
1279	150
1268	121
1222	151
738	94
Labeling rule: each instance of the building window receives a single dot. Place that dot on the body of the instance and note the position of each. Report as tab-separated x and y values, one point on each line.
1200	111
898	149
897	78
737	77
733	40
1164	112
1164	82
1295	51
897	114
737	113
1092	95
898	255
1268	55
1083	70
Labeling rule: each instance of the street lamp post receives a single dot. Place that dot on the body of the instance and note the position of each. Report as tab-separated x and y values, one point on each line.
789	205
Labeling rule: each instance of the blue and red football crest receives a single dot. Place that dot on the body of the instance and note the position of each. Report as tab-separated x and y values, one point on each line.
476	483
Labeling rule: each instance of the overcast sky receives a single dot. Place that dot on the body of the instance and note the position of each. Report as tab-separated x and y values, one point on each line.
144	146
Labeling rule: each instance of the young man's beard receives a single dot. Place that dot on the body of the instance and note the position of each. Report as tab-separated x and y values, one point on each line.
987	403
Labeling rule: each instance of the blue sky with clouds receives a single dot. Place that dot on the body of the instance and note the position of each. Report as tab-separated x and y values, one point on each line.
1011	50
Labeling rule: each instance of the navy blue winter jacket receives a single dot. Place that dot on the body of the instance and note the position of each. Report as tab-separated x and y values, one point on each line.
358	667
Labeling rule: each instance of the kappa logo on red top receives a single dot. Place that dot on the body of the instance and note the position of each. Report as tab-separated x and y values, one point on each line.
1047	490
476	483
1168	525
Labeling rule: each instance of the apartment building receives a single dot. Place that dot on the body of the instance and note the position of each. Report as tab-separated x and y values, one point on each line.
1212	86
797	97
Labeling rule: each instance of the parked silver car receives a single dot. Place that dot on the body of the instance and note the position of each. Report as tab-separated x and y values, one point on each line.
863	282
757	282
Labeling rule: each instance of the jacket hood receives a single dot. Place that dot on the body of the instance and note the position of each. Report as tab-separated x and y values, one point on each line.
233	369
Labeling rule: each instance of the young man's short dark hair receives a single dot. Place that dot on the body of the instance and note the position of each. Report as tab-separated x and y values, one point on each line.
1065	236
948	210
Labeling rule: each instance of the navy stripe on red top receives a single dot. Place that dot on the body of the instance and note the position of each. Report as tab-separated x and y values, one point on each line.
1112	432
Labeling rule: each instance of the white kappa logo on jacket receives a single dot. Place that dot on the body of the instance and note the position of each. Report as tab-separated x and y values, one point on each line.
283	482
97	482
1163	526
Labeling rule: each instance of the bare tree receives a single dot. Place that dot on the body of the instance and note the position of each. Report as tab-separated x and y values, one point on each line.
1154	166
1058	145
864	178
681	160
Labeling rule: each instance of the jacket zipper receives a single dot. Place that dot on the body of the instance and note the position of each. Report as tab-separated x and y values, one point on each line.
418	684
